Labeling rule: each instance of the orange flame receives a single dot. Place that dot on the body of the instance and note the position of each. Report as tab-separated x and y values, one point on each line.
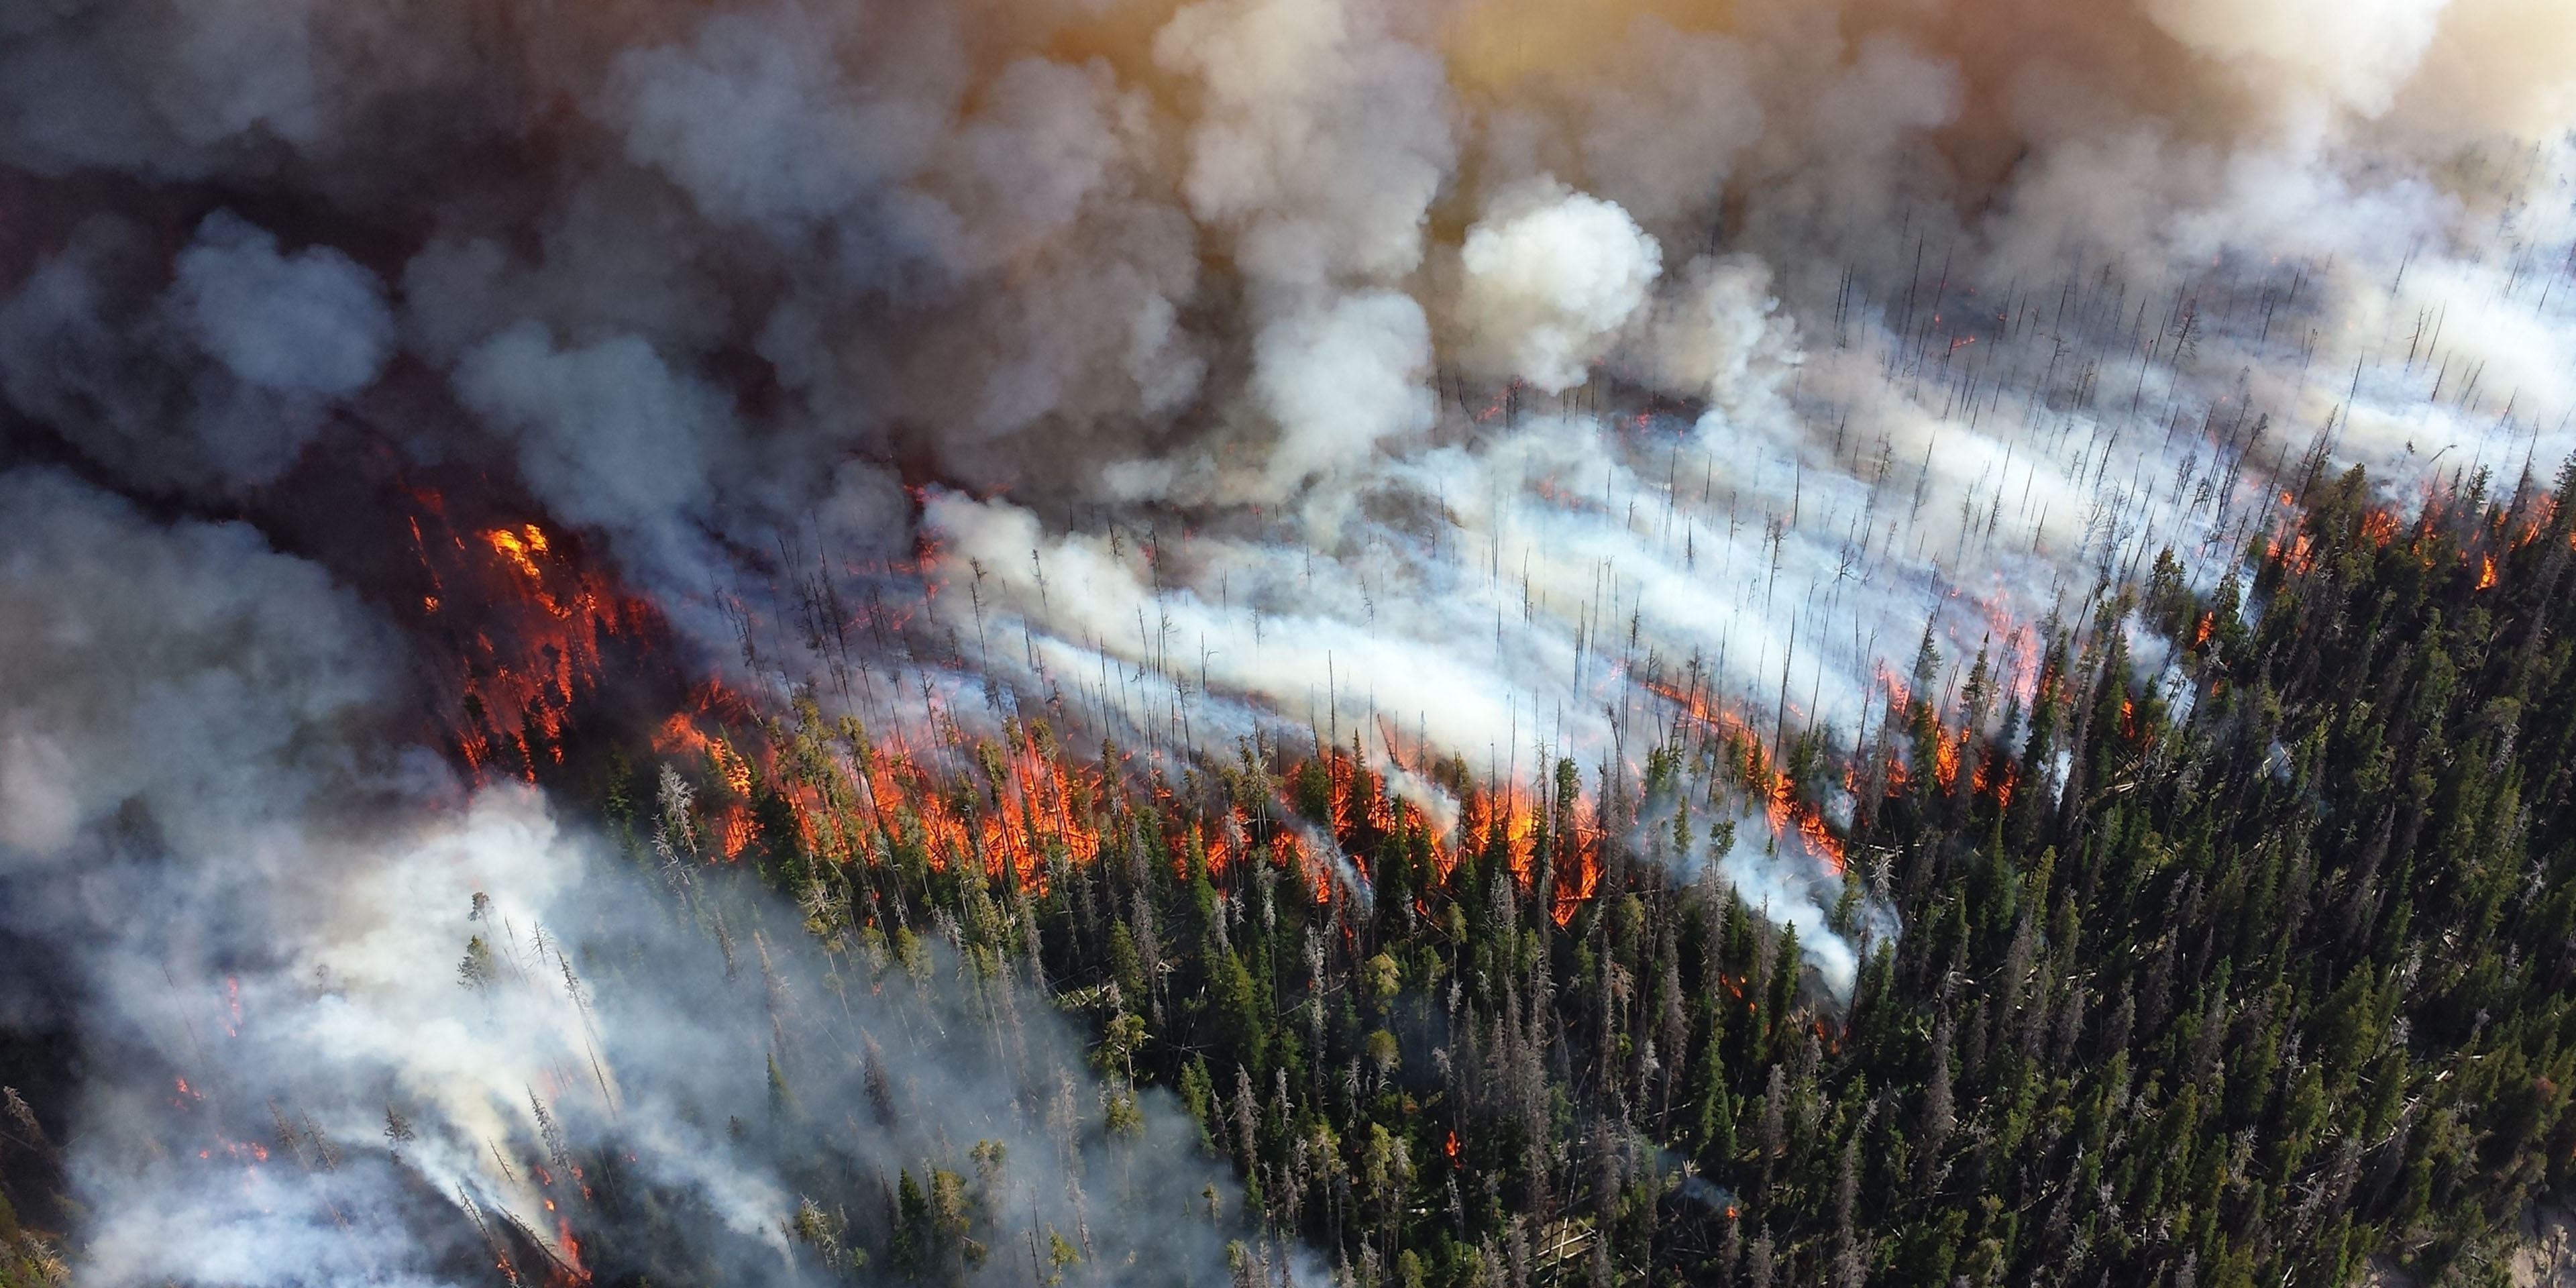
1034	805
522	548
1786	812
1576	886
1505	817
1945	759
734	827
1986	782
570	1249
527	626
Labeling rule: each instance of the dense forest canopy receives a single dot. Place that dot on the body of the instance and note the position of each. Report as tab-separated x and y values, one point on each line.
1386	643
2252	966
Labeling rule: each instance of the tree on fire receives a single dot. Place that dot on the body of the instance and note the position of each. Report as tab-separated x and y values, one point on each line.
2253	977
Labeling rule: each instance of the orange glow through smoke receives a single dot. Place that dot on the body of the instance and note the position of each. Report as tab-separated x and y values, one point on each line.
527	627
1787	814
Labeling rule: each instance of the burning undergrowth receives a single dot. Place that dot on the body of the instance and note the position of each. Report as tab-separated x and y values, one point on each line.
403	1053
1103	486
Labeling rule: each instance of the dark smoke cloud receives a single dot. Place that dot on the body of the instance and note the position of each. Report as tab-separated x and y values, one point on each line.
1447	371
210	384
219	688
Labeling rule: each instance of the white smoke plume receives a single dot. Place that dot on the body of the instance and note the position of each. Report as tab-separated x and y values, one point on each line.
341	989
1551	276
1503	380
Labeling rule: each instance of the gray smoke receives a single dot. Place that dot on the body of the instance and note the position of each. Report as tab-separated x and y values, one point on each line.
1462	373
262	896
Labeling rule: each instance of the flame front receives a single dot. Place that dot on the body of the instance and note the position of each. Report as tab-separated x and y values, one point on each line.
530	632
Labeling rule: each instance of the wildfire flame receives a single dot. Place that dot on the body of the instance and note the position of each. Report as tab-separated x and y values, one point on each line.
522	548
1505	819
1945	759
527	627
1787	813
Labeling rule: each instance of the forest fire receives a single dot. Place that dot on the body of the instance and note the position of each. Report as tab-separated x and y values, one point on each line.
1502	821
682	737
832	597
849	799
1788	813
1998	783
1037	810
528	630
1945	758
1024	809
568	1249
2435	536
522	548
2295	551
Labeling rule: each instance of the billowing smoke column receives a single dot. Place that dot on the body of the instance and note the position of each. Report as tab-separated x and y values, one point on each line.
330	996
1495	380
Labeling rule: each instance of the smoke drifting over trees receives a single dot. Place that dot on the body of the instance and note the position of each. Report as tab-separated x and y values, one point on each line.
1605	432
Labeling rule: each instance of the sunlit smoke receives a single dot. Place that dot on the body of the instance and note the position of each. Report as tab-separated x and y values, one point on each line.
1643	426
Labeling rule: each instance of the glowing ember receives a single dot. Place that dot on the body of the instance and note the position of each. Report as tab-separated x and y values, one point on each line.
569	1248
522	548
1945	759
1781	804
527	627
1503	821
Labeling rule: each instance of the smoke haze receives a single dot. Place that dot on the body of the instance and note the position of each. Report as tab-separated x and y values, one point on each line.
1490	380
